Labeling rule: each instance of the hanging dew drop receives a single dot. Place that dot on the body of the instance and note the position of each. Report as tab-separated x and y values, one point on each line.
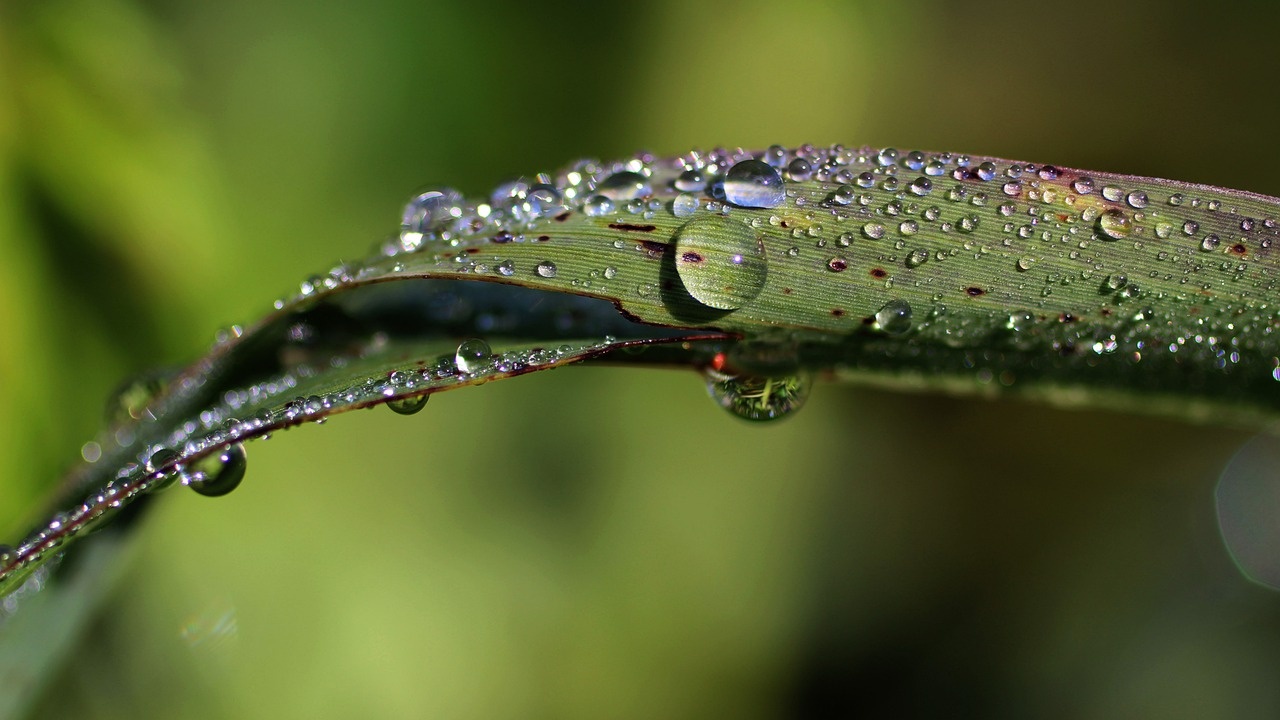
720	262
216	474
759	398
472	355
408	405
895	317
754	184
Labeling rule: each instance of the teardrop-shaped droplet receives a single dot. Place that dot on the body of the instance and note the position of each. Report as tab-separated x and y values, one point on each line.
1114	225
625	185
721	262
408	405
216	474
895	317
759	398
755	184
472	355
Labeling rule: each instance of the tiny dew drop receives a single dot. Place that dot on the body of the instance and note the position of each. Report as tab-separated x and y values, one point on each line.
895	317
408	405
759	398
1114	225
720	262
216	474
472	355
755	184
546	269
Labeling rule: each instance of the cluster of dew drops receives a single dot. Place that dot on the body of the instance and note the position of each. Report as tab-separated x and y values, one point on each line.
722	265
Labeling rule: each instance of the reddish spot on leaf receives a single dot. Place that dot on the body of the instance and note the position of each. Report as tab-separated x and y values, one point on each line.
975	291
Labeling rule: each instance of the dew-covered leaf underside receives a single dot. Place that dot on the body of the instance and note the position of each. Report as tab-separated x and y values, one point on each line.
905	270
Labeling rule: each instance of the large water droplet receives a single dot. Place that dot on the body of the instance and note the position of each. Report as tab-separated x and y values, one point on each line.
1114	225
721	262
216	474
759	398
895	317
753	183
546	269
408	405
472	355
432	211
625	185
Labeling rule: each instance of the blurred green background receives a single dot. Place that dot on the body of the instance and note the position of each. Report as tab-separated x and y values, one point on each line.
602	542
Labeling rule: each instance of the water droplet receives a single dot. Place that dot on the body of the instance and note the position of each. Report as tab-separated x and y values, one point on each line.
720	262
432	211
1114	225
1025	263
913	160
597	206
895	317
684	205
908	227
218	473
921	186
1083	185
887	157
625	185
873	231
986	171
610	272
691	181
917	257
1020	320
408	405
759	398
1136	199
1210	243
1112	193
506	268
546	269
799	170
472	355
130	400
754	184
1116	281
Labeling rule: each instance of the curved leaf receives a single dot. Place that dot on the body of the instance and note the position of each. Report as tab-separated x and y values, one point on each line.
934	271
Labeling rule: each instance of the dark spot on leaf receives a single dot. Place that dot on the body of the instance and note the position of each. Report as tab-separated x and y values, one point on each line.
1066	317
653	249
784	224
628	227
786	291
975	291
472	250
878	273
543	238
1106	312
1239	249
869	320
837	312
838	265
691	257
563	216
503	237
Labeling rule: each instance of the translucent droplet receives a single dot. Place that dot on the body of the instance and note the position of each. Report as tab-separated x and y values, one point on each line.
472	355
873	231
917	257
546	269
759	398
1210	243
625	185
1114	225
921	186
895	317
408	405
1025	263
130	400
218	473
755	184
720	262
506	268
1020	320
1136	199
799	170
1083	185
691	181
597	205
684	205
432	211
